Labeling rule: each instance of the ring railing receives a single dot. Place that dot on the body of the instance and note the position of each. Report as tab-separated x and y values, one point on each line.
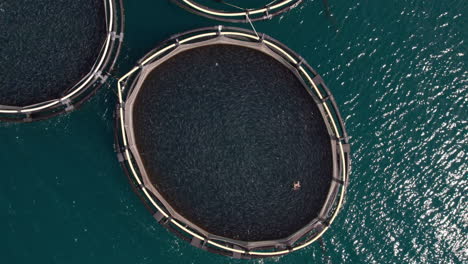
82	91
129	158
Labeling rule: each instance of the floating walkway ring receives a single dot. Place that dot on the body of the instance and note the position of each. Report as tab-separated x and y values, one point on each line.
73	97
134	166
240	15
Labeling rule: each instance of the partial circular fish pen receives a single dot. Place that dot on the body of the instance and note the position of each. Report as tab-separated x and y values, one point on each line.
230	11
174	104
41	93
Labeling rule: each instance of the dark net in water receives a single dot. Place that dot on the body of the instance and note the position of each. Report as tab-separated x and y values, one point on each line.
223	132
47	46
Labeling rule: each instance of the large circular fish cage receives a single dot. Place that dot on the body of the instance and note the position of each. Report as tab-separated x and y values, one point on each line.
54	55
233	11
233	142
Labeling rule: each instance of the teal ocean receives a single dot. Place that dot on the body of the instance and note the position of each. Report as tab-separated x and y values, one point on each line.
398	72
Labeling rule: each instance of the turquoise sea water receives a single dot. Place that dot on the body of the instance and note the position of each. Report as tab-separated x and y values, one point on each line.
398	72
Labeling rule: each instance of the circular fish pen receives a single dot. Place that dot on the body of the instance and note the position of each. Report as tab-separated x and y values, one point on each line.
240	11
55	54
233	142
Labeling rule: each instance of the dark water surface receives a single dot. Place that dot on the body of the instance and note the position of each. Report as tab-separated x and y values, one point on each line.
46	47
397	70
224	143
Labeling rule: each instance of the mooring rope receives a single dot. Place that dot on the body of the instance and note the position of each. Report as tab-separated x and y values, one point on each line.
229	4
246	13
251	24
272	2
241	8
